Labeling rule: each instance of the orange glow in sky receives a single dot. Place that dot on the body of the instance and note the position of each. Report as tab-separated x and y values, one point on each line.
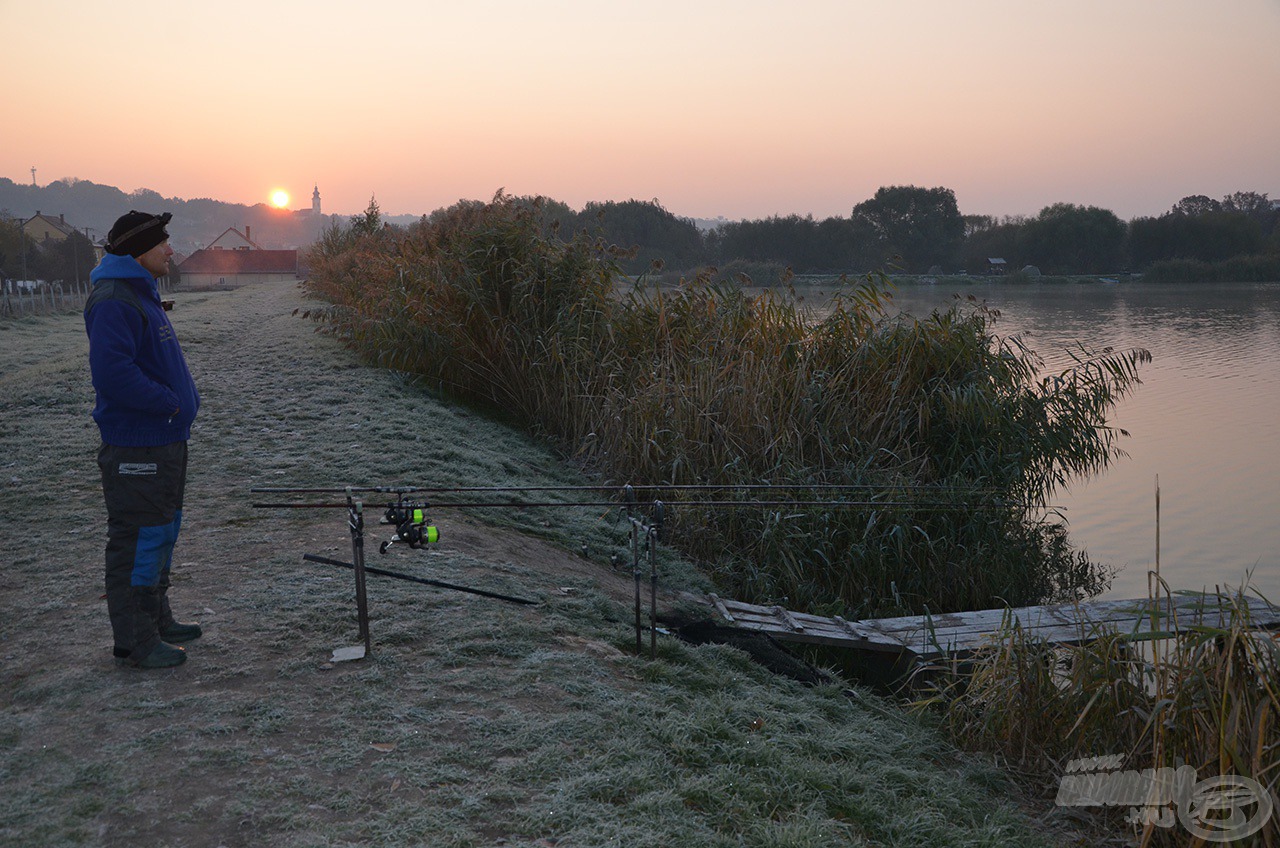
741	108
280	198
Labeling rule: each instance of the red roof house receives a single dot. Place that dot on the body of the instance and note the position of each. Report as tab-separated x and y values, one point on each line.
217	268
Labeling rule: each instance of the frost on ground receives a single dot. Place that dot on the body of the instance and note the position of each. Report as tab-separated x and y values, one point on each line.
473	722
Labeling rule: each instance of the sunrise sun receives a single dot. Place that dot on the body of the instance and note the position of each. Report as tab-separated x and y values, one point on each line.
280	198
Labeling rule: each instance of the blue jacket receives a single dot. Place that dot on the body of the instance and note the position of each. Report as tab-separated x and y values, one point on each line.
145	394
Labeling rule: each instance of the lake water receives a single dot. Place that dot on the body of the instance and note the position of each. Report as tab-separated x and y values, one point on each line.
1206	420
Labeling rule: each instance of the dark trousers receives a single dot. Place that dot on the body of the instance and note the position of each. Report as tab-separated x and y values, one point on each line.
143	488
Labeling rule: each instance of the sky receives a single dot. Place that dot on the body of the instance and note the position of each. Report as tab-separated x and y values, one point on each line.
734	108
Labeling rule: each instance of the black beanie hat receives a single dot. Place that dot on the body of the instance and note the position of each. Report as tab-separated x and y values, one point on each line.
136	233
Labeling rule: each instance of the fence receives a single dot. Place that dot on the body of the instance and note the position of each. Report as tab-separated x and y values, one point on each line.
49	298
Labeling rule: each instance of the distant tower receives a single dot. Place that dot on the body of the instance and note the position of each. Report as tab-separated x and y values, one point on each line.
315	202
33	177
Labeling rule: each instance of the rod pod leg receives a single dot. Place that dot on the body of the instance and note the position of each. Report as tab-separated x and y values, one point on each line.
357	560
653	532
653	595
635	573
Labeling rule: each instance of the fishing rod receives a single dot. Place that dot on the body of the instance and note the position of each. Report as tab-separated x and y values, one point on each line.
407	513
639	487
628	491
926	506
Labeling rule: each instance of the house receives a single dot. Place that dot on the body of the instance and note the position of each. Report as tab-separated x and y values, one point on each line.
45	228
996	265
234	259
221	268
233	239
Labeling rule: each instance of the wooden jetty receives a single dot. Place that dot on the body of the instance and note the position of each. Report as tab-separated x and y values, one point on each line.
932	636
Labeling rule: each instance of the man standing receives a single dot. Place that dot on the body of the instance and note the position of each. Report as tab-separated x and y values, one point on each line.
146	401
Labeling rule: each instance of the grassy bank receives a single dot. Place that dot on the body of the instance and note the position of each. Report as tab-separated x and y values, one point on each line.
949	436
474	723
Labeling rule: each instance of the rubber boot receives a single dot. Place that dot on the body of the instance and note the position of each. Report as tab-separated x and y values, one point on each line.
134	611
163	655
177	632
170	630
146	610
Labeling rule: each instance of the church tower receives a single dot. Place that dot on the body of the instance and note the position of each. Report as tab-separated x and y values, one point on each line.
315	202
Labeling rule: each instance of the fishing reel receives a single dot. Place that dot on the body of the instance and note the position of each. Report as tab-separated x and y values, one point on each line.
411	525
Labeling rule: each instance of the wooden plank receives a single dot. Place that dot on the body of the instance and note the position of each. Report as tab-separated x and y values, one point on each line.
720	607
1073	623
929	636
787	619
803	627
1185	611
852	629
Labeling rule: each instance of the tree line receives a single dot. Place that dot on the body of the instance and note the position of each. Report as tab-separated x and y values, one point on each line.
909	229
917	230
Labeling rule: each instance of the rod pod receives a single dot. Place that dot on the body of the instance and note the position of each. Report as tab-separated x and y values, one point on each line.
629	497
355	520
653	535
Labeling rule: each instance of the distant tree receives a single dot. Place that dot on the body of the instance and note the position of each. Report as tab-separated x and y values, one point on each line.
370	222
69	260
1196	204
1069	239
923	226
1257	207
1207	237
13	242
791	240
846	245
656	234
978	223
1152	239
832	245
749	240
557	218
1249	203
1200	229
146	199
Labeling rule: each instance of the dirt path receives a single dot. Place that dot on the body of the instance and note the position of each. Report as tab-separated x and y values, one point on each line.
281	406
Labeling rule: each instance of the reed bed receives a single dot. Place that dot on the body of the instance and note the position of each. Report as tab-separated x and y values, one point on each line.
957	437
1205	697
